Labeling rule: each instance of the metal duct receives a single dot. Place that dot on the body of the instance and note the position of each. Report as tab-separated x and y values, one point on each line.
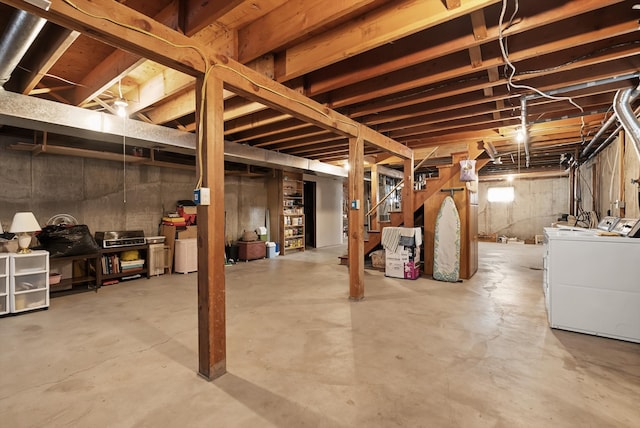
599	134
606	142
16	40
622	106
38	114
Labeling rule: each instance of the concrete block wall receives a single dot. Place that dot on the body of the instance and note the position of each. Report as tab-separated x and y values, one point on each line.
104	195
538	203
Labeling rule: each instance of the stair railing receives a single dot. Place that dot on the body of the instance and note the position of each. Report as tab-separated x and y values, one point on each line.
400	183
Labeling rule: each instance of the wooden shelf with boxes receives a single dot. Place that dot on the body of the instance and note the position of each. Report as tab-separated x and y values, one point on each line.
292	217
123	263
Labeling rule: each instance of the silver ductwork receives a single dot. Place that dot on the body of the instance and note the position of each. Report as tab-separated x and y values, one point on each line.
16	40
38	114
612	119
622	105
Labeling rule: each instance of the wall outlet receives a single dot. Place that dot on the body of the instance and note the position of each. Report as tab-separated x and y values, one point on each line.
202	196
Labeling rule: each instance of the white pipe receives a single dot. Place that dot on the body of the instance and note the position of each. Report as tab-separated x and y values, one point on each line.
525	133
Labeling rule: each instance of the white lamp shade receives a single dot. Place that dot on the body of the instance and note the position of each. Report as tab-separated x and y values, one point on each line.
24	222
1	231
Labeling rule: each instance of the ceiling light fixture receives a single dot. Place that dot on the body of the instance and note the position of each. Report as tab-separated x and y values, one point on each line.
121	106
120	103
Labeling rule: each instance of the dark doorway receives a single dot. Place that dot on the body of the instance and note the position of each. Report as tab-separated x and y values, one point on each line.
310	214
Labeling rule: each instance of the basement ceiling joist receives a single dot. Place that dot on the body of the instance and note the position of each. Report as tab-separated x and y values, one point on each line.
425	73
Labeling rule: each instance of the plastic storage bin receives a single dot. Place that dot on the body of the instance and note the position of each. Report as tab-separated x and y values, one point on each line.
271	250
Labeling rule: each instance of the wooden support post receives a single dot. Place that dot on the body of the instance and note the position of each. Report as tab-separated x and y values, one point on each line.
621	143
356	219
211	284
375	188
407	193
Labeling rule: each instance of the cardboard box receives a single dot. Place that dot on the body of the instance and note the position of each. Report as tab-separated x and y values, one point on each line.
403	263
188	233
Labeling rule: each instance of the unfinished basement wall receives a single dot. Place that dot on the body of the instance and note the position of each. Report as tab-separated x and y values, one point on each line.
245	202
537	204
328	210
608	181
104	195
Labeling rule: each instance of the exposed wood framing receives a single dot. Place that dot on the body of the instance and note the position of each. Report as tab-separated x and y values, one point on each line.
211	280
193	58
407	193
356	219
375	187
384	25
102	76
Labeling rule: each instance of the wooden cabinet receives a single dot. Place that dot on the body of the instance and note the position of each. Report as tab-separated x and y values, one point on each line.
114	268
251	250
292	214
77	270
29	281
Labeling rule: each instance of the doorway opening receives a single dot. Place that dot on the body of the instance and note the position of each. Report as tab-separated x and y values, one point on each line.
310	214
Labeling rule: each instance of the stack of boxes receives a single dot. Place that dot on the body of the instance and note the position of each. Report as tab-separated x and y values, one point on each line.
402	251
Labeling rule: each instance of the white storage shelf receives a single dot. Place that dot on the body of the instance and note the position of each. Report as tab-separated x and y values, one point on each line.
28	281
4	284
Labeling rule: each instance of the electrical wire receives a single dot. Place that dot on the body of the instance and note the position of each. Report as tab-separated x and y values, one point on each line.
208	68
511	74
124	159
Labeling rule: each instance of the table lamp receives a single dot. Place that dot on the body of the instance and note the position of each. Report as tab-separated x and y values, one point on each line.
23	225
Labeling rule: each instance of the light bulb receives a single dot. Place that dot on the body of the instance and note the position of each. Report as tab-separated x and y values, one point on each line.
121	107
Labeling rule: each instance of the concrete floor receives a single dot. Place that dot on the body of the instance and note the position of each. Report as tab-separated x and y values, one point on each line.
413	353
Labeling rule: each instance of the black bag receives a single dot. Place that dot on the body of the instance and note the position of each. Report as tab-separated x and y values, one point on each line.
62	241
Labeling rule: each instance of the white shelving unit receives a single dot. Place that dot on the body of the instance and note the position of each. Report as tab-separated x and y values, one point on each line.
28	281
4	284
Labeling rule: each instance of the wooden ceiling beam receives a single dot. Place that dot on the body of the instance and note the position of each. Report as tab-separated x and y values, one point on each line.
262	132
393	57
384	25
581	73
304	141
432	72
119	63
253	121
283	137
167	83
193	58
290	22
479	107
197	14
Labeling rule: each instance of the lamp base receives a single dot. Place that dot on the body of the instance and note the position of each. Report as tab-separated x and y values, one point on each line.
24	240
